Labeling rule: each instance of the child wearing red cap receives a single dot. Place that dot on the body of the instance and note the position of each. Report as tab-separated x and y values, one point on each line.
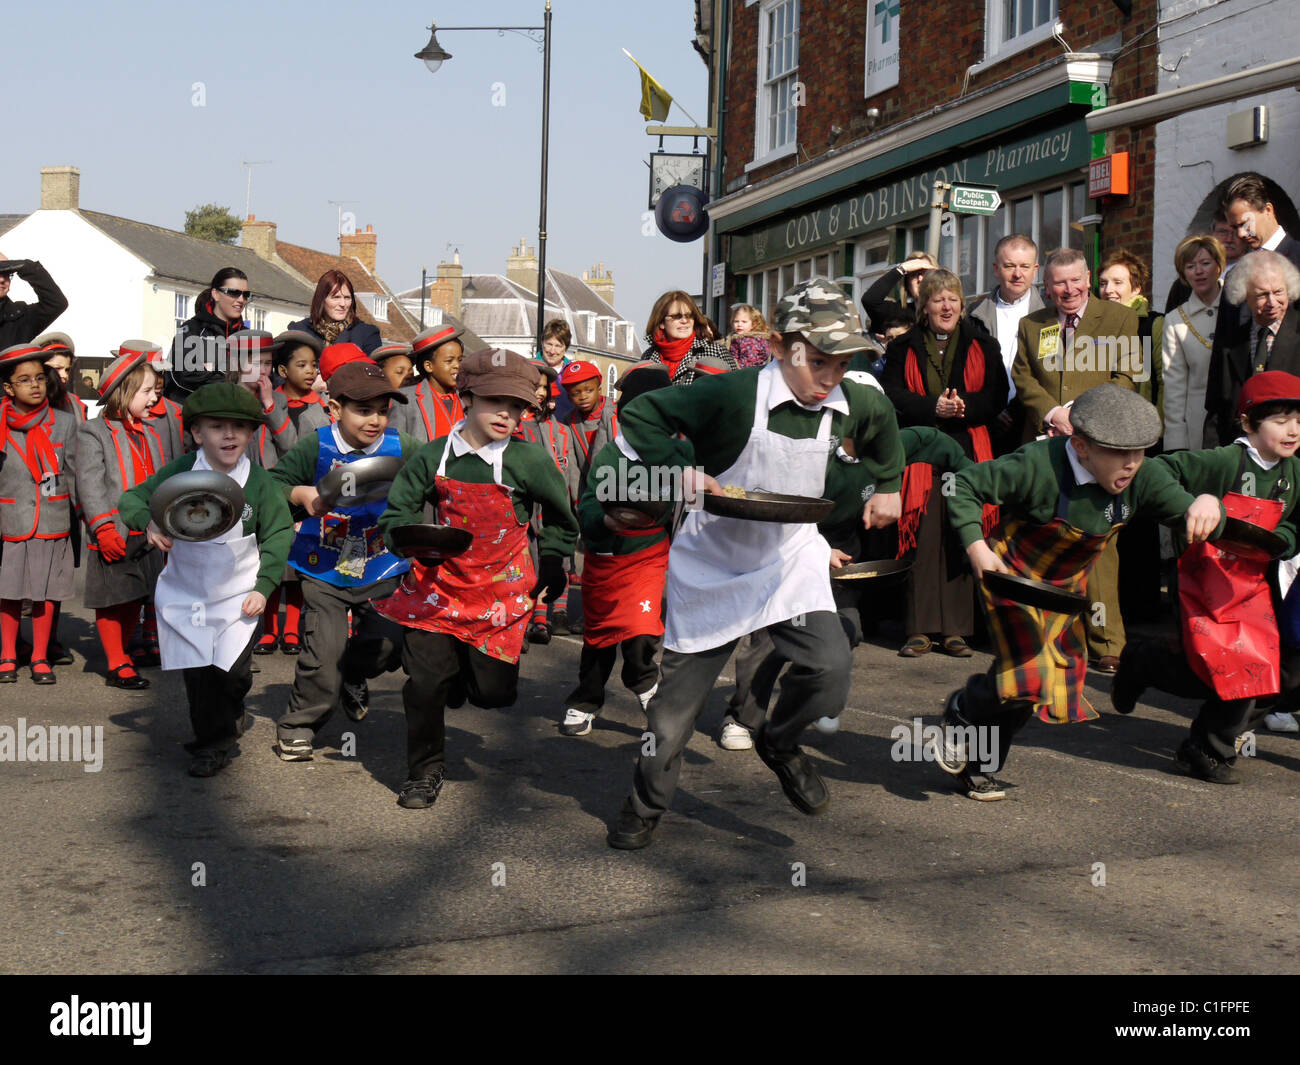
117	451
38	448
465	616
1230	655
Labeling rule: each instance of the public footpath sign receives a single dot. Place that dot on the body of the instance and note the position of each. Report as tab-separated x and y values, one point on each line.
974	199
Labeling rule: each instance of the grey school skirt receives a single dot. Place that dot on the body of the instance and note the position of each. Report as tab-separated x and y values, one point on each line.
110	584
37	570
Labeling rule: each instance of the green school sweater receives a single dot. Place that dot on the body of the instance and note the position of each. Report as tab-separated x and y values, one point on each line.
848	482
1027	484
716	415
266	516
614	473
1214	471
526	469
298	467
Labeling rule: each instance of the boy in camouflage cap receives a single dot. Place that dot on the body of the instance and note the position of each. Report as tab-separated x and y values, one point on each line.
774	429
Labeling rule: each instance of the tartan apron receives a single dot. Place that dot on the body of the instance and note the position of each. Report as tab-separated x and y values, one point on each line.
1040	655
482	596
1230	633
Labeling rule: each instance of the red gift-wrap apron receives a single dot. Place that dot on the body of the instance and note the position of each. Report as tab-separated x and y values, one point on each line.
622	595
1230	632
480	597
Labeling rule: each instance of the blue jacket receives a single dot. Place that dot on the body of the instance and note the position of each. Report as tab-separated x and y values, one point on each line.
362	334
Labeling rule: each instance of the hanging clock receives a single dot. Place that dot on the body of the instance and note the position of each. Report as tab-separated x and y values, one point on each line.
667	170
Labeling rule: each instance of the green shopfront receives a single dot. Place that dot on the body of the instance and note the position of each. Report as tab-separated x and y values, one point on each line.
851	225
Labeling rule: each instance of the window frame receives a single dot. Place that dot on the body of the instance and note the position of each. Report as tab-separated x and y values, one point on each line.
763	153
996	49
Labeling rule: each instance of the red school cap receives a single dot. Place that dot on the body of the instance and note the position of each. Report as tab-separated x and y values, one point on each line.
336	355
1268	387
576	372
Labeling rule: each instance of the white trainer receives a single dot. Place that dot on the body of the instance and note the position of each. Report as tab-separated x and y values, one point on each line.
576	723
734	736
1281	722
645	697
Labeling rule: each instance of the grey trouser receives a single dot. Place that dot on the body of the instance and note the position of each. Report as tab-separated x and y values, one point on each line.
329	658
816	685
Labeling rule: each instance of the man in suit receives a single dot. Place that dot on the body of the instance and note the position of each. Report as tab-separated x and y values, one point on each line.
1015	268
1267	285
1061	352
1251	216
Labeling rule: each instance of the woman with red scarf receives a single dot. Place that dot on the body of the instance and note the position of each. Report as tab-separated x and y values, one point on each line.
120	450
37	458
679	334
946	373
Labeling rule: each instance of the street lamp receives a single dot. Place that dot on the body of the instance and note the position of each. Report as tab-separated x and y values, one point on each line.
434	55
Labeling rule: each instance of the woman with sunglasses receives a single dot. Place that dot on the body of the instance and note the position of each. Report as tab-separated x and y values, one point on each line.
678	334
218	313
334	315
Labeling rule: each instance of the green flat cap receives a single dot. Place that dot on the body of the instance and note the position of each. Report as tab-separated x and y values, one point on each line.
222	399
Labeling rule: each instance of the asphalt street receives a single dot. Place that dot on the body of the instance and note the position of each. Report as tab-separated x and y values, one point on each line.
1103	859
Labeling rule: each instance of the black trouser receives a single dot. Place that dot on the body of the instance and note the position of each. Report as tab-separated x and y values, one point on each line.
216	698
1220	721
329	658
597	663
982	707
441	671
1140	571
816	685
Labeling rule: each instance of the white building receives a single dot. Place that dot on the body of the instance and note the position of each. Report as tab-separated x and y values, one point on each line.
125	279
1201	40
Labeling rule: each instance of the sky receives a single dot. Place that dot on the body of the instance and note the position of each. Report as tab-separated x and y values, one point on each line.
159	106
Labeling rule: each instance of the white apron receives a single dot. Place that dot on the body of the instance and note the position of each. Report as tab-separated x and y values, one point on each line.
728	577
201	590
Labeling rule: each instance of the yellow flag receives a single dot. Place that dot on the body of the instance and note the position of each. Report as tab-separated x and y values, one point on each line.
655	99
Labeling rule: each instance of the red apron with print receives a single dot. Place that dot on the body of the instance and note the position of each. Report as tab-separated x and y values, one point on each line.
1229	629
481	597
622	595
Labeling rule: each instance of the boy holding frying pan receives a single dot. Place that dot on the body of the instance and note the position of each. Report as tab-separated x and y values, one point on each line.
1061	500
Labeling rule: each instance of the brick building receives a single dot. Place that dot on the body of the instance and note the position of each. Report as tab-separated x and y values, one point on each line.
835	117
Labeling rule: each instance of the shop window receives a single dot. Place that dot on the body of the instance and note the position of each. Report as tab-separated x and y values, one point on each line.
779	91
259	319
1053	225
1078	208
1011	25
182	308
1022	218
787	279
804	270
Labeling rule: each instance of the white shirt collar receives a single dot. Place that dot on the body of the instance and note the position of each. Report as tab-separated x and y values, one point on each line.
779	393
488	452
1271	244
239	474
1254	455
346	449
1081	476
1014	303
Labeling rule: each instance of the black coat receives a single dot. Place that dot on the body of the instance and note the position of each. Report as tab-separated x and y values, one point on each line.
23	322
362	334
194	357
1223	386
982	407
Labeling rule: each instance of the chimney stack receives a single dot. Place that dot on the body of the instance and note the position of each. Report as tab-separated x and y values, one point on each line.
601	282
446	289
360	246
60	188
521	266
259	237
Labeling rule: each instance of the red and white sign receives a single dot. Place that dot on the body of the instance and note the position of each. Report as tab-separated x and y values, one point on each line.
1109	176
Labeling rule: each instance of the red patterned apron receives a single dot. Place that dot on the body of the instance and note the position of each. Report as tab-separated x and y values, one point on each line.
622	595
1230	632
481	597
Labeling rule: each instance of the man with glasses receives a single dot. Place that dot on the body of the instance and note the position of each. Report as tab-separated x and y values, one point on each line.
21	322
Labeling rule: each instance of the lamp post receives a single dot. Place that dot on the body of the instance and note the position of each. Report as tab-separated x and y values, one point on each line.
433	56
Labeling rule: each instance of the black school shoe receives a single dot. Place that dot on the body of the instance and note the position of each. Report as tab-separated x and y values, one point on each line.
631	832
58	655
799	778
560	621
539	632
980	786
1126	689
133	683
422	793
355	699
1204	766
208	763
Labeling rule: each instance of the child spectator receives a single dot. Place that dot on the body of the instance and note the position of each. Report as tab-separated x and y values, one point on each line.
748	342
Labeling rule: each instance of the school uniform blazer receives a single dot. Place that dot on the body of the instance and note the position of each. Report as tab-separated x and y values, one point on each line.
274	439
424	415
25	510
315	416
106	471
1223	387
1043	383
169	429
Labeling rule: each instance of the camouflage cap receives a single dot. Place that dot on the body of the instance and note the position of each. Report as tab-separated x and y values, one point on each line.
824	314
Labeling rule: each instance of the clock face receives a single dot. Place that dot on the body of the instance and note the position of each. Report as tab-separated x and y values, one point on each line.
669	170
